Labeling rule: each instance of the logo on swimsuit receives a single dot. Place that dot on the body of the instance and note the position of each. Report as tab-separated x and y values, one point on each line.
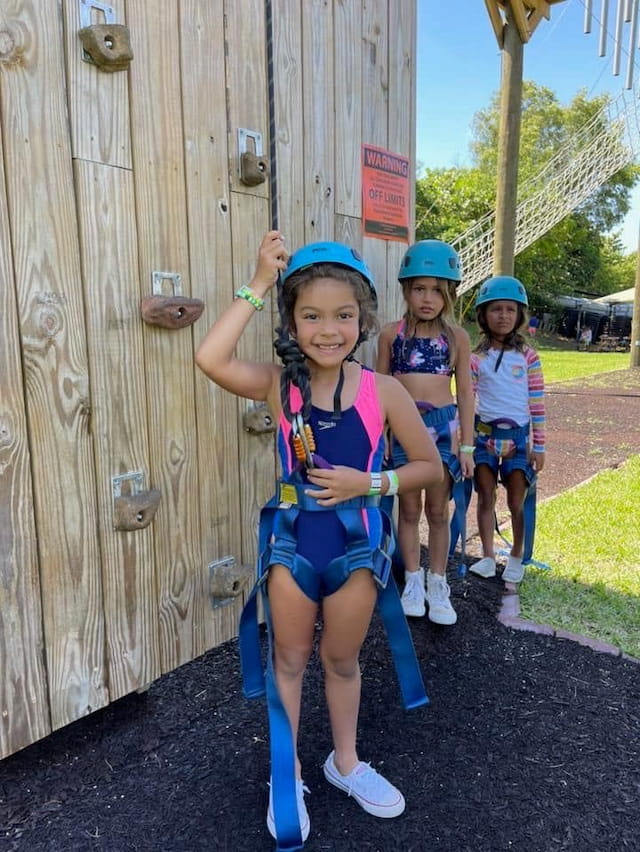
326	424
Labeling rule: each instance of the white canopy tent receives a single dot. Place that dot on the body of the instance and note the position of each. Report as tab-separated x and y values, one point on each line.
619	298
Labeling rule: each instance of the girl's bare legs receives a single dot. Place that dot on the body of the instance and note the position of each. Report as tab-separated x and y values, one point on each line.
516	493
293	617
409	512
437	511
486	490
438	592
346	618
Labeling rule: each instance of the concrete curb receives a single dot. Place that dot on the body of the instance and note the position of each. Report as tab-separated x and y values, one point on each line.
509	615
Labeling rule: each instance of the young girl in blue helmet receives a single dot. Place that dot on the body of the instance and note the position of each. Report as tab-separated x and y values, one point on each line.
425	350
510	416
332	414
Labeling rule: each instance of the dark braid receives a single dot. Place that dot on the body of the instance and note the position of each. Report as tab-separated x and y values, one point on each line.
295	371
295	368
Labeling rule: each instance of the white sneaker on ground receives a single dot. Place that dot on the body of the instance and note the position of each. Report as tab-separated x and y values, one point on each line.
438	592
303	816
413	595
486	567
370	790
514	572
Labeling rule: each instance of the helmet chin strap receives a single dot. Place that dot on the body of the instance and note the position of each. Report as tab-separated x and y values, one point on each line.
337	394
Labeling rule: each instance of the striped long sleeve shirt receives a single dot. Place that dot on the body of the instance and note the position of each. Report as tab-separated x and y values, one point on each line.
515	391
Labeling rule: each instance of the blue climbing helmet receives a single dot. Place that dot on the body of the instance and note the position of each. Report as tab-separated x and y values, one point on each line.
329	252
431	259
502	287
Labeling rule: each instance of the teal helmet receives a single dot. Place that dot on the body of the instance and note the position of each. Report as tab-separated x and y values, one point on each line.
502	287
431	259
329	252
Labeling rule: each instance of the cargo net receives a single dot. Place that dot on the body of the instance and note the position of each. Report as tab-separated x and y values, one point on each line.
607	143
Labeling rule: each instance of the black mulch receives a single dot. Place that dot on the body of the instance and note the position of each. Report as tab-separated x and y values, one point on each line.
530	744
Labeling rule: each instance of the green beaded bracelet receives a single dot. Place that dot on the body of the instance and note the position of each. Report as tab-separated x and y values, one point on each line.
247	293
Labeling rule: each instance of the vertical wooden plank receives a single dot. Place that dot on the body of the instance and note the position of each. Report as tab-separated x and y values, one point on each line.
319	119
250	219
287	63
375	117
402	130
98	101
41	212
116	358
246	82
156	125
209	219
348	108
24	713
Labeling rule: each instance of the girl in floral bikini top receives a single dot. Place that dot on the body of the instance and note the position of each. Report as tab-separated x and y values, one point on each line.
424	351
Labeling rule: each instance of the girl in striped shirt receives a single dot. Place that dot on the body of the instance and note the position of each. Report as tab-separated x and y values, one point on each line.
510	420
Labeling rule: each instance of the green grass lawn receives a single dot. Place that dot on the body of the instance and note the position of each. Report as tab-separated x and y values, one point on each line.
590	535
564	365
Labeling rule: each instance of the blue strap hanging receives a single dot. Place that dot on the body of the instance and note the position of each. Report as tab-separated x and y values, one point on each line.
257	681
461	494
529	511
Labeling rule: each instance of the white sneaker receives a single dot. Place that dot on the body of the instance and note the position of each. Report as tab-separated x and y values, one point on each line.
303	816
514	572
438	591
413	595
484	568
371	791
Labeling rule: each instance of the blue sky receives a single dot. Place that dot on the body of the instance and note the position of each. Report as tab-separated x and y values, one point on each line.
459	70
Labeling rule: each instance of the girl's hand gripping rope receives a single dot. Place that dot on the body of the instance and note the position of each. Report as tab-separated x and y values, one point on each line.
272	260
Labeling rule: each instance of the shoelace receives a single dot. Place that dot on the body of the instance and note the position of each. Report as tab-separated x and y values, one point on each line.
440	590
360	775
415	590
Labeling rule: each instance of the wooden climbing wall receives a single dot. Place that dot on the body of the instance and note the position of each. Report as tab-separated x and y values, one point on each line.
116	185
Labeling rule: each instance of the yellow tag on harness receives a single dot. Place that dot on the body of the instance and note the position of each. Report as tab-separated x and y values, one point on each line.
288	494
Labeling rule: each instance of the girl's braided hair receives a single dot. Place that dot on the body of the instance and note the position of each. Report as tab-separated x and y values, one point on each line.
295	368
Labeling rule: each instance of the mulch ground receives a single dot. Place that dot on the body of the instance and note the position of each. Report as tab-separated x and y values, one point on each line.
530	743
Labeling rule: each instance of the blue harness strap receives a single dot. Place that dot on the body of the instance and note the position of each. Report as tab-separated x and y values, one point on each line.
529	512
461	494
257	681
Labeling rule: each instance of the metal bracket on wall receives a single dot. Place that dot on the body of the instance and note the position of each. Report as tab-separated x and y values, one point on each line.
158	279
106	45
253	168
135	510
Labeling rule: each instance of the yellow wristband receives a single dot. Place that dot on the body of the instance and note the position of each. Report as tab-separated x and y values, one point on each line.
247	293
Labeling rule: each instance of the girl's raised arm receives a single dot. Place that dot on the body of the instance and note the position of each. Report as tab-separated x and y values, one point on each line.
216	354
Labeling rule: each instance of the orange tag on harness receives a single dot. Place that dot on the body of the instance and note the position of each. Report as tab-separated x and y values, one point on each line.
288	494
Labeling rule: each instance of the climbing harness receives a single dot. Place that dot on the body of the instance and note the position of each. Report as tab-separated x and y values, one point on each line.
502	437
367	545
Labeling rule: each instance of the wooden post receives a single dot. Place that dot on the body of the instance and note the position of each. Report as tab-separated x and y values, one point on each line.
509	147
635	321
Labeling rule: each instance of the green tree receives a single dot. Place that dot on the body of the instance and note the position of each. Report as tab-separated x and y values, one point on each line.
578	254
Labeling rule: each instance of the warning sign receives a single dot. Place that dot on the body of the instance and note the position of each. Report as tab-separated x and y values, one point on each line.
385	194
